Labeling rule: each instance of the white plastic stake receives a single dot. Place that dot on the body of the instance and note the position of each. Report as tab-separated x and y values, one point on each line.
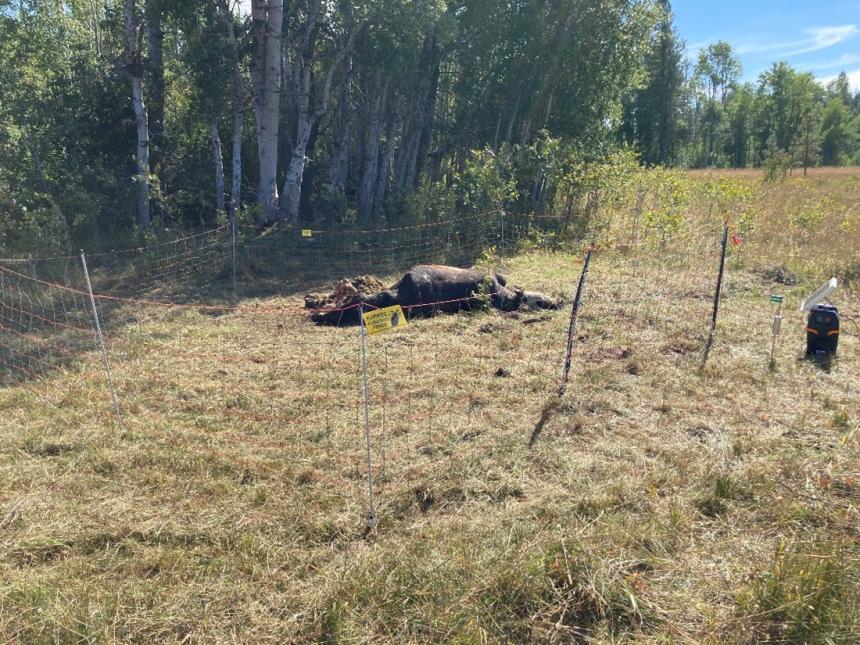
101	339
777	325
371	511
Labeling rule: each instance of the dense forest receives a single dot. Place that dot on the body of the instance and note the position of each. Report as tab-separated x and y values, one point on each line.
124	118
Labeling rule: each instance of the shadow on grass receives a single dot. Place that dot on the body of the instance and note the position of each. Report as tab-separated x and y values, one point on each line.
41	298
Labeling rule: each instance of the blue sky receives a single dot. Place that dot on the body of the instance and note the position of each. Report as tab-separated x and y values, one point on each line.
818	36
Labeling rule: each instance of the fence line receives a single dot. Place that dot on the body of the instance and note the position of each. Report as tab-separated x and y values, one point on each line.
313	371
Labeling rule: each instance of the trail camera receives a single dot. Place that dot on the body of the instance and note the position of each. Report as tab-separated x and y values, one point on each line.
822	331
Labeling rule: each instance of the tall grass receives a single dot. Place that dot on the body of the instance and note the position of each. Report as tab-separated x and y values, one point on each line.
659	503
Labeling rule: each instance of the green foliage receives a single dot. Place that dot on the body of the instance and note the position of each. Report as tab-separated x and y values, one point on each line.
432	202
810	215
670	190
486	182
776	163
786	120
487	104
652	113
807	595
718	68
838	138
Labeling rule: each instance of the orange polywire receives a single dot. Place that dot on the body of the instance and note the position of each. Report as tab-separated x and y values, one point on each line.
37	341
230	308
236	308
49	321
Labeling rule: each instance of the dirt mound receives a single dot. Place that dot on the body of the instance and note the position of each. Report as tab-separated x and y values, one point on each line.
344	291
779	274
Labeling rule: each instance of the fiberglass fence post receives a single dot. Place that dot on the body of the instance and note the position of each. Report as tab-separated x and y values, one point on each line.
101	341
371	511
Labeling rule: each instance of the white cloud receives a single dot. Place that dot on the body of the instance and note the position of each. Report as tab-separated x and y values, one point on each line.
844	61
819	38
772	47
824	37
853	79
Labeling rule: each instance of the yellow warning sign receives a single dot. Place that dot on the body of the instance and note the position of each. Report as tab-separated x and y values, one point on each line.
381	320
306	232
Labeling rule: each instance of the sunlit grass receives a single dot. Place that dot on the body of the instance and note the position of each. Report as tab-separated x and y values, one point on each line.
660	501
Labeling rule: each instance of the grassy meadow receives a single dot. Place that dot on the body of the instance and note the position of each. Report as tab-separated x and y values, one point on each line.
656	501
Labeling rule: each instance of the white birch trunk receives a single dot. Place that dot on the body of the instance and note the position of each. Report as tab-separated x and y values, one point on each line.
238	108
306	119
293	181
218	162
236	160
339	169
371	152
134	69
238	117
141	120
269	18
382	176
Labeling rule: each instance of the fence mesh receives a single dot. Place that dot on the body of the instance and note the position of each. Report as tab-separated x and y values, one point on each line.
247	366
45	326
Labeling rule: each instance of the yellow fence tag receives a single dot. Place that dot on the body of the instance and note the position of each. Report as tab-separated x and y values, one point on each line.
306	232
381	320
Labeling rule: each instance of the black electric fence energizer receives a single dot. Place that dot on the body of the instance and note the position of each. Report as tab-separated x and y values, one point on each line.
822	331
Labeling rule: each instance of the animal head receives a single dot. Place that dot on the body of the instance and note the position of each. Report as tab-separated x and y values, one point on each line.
534	300
344	292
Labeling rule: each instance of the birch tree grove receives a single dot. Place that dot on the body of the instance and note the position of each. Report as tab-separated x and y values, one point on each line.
307	115
365	114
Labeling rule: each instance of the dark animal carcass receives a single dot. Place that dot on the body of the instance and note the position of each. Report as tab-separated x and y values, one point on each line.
430	288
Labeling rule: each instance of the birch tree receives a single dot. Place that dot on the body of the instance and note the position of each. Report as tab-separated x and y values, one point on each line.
153	17
238	104
134	70
268	19
218	164
376	104
307	114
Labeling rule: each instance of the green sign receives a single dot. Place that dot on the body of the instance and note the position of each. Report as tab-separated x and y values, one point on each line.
776	298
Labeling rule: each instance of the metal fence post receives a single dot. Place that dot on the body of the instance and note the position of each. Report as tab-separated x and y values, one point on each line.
574	314
101	340
723	245
371	510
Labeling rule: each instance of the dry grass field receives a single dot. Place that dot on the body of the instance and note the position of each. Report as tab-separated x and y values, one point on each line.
656	501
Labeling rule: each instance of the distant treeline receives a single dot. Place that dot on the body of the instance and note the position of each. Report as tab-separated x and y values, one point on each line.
123	118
